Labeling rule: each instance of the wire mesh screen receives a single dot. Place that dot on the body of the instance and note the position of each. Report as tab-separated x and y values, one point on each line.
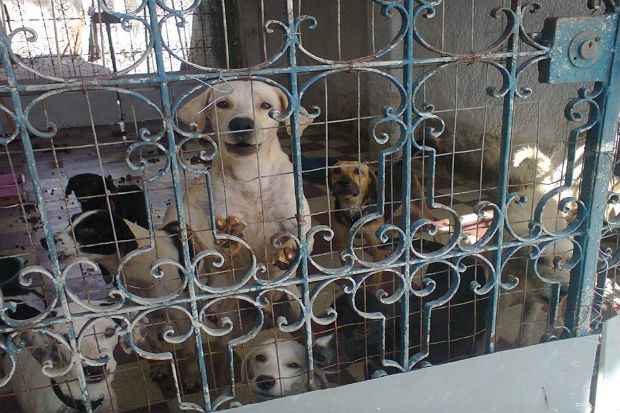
213	203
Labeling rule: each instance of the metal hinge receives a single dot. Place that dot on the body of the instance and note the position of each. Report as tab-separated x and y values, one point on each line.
581	48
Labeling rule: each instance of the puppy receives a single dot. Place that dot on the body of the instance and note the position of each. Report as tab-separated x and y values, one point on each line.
107	240
252	180
549	173
92	235
275	365
455	330
354	187
90	190
126	201
38	393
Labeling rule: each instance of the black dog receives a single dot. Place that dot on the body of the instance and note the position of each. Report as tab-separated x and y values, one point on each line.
96	234
456	330
126	201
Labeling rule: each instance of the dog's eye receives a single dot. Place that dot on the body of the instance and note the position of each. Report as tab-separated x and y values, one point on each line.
223	104
265	105
261	358
109	332
293	365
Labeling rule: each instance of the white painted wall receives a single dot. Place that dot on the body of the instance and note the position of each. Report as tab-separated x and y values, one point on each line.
548	378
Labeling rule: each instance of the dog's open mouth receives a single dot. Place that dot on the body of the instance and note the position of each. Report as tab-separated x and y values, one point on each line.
242	148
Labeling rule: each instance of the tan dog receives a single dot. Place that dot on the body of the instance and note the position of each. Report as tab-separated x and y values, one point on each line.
354	186
252	180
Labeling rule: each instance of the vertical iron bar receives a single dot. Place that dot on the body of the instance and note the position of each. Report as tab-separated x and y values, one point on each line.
178	191
504	169
597	170
295	104
408	82
119	103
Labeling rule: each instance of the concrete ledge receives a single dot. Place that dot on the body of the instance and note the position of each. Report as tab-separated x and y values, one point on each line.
551	377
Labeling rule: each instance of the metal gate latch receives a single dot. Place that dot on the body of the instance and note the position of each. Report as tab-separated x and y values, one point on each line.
581	48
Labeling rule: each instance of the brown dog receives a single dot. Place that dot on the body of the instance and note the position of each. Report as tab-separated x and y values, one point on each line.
354	186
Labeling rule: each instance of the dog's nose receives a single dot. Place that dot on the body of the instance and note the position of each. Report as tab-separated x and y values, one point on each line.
346	188
353	190
44	243
241	125
265	383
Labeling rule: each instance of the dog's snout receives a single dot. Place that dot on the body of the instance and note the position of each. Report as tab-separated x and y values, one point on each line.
265	383
353	190
346	187
241	125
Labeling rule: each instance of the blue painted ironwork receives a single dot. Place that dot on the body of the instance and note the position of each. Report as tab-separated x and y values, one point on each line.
578	49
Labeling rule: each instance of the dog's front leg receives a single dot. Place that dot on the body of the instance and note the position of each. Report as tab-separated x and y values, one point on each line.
283	259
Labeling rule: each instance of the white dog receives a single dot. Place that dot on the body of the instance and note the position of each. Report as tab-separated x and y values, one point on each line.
275	365
38	393
252	179
107	240
96	235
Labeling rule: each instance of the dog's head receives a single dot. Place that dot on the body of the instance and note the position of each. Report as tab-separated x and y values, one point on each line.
92	234
276	367
242	111
353	184
97	340
84	185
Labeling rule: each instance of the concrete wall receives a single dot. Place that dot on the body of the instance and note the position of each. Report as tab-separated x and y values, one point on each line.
457	92
552	377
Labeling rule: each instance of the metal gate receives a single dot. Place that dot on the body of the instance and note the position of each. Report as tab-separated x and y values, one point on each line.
571	50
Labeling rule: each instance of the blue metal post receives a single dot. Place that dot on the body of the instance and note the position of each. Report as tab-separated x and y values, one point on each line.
504	170
408	82
598	170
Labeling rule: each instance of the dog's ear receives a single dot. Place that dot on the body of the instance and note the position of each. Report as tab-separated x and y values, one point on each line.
305	119
331	174
373	181
125	236
324	341
246	365
69	188
109	183
194	112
